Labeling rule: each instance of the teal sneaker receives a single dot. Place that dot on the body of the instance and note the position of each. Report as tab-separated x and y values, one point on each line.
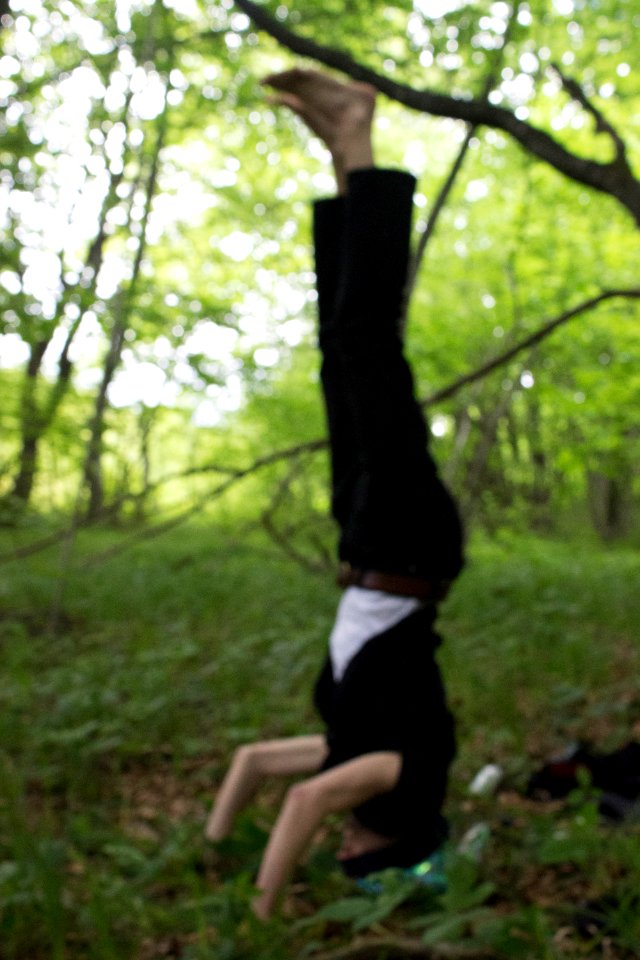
428	873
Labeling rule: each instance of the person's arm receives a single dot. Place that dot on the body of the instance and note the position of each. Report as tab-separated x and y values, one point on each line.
305	807
250	765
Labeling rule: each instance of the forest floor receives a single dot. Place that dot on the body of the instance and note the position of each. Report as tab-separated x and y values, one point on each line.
128	679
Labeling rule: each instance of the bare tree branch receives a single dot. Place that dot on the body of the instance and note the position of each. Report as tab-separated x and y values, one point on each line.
541	334
614	178
436	210
445	393
573	88
282	535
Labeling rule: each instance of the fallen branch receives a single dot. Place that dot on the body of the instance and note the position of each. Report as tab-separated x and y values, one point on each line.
232	473
370	947
309	446
283	536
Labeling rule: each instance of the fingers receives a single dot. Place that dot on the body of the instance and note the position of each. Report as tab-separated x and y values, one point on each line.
314	119
286	79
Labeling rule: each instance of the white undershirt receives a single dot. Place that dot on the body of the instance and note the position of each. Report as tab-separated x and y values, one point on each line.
363	614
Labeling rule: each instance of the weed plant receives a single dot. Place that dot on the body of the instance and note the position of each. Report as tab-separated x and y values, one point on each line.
126	684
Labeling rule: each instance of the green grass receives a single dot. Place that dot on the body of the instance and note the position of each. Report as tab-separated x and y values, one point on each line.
116	725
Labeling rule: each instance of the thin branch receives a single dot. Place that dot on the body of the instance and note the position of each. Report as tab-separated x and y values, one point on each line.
93	259
258	464
370	947
447	186
541	334
438	206
151	532
283	536
575	91
614	178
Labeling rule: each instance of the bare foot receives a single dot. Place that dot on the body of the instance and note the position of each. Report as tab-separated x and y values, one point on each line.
340	114
357	840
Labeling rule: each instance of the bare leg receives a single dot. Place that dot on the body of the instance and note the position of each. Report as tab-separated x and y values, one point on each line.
340	114
306	806
250	765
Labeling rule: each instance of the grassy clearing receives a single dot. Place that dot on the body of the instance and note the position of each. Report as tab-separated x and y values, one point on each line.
115	729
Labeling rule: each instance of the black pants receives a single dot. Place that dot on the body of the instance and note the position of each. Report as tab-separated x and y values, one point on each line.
394	513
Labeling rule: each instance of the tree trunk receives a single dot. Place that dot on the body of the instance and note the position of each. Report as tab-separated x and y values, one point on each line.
478	464
145	426
37	418
32	428
93	461
539	490
122	306
608	504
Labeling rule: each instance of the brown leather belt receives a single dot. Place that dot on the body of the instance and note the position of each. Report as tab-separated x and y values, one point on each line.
397	583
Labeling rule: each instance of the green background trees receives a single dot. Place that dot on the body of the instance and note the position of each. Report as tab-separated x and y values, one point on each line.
157	305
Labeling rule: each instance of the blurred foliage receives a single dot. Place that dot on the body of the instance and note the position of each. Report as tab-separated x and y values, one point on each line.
116	730
154	225
195	318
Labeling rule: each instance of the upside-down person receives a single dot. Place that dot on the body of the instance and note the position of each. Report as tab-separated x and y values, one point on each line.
389	735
